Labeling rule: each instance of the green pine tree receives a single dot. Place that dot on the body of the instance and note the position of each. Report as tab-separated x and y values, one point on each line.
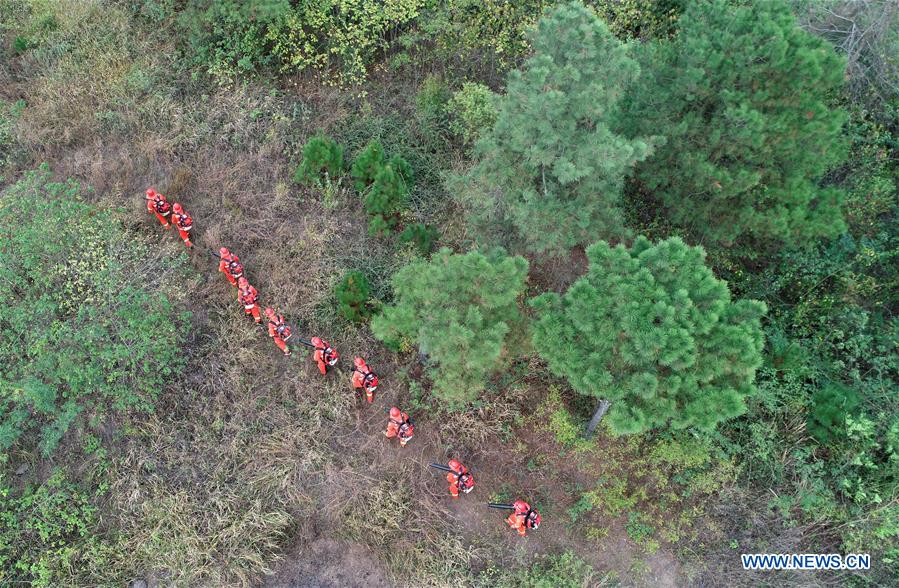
741	94
651	329
367	165
322	156
387	196
550	167
459	309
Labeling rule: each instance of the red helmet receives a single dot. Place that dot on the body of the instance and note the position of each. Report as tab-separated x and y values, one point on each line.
151	194
177	208
454	465
359	362
270	313
242	282
395	413
223	251
318	342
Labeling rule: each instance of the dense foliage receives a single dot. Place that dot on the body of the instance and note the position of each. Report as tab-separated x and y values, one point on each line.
551	155
46	532
651	329
341	37
459	310
741	97
80	332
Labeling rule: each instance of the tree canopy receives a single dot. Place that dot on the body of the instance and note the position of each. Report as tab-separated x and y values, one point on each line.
651	329
551	168
742	97
459	309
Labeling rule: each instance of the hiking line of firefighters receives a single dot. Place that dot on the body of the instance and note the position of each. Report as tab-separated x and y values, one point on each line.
399	424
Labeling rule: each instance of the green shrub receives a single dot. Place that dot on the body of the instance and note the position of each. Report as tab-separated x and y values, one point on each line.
421	235
352	293
47	533
431	103
460	309
367	165
472	111
81	334
831	404
322	156
338	37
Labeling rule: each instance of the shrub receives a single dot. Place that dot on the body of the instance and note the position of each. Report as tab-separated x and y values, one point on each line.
651	329
831	404
80	331
47	533
421	235
460	309
431	103
352	293
473	111
367	165
340	38
322	156
551	154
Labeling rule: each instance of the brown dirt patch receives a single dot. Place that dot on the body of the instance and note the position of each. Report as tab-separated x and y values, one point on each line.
329	563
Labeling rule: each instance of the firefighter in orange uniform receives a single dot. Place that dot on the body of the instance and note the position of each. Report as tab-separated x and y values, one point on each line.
523	517
158	205
247	295
325	355
364	379
399	425
183	223
230	266
279	330
459	478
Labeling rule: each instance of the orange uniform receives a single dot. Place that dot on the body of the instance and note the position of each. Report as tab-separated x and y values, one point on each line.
325	355
279	330
159	206
364	379
247	295
399	425
230	266
183	223
459	478
523	517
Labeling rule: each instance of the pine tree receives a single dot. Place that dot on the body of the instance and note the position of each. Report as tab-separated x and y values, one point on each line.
550	167
387	196
741	94
651	329
460	310
352	294
367	165
322	156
